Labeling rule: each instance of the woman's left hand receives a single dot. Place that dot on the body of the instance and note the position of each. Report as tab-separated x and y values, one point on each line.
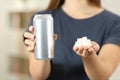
85	51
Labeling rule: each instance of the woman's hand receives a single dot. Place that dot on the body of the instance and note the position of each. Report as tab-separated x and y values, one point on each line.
30	39
85	51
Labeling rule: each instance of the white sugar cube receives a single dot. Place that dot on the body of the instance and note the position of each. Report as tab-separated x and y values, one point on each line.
83	41
84	38
89	42
78	44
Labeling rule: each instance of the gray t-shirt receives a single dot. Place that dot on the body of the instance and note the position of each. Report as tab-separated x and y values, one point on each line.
102	28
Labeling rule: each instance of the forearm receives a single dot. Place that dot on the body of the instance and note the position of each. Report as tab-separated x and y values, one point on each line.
96	69
39	69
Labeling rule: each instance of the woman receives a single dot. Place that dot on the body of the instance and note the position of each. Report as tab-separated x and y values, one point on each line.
74	19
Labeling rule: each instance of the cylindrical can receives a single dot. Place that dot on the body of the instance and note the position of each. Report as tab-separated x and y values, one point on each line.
44	30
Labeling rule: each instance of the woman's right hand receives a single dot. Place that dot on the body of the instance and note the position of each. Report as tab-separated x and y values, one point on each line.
30	39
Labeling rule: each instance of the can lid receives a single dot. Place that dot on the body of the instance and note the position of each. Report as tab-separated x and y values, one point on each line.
42	16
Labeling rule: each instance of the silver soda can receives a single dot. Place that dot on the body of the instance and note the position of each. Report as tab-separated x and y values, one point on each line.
44	30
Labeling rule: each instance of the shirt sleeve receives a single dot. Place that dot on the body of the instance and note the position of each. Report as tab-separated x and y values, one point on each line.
114	34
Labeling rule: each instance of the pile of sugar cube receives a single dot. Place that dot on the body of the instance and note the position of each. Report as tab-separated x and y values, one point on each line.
84	41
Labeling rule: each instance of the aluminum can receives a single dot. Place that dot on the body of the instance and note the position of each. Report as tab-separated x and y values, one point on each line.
44	30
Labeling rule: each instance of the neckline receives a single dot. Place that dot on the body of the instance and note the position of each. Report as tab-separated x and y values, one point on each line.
85	19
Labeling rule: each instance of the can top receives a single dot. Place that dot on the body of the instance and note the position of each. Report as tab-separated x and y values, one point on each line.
42	16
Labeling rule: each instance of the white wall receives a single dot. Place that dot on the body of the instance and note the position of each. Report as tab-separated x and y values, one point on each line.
112	5
8	36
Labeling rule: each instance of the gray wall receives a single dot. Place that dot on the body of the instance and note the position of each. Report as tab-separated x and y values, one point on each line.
113	5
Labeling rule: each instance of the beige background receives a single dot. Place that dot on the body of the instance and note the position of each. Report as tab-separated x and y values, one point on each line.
9	38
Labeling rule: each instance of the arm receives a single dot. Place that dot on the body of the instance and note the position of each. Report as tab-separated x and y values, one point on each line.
39	69
102	66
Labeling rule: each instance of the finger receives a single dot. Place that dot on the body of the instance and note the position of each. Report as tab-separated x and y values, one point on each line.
55	36
31	29
91	50
29	35
85	53
29	42
30	48
80	50
75	48
85	47
95	46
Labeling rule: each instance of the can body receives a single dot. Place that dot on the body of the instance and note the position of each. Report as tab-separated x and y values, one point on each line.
44	30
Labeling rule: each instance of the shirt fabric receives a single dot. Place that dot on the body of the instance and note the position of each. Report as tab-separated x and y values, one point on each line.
102	28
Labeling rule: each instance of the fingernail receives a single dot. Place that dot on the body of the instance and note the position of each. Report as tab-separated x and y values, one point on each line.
30	28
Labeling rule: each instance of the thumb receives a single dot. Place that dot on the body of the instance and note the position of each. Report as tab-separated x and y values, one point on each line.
55	36
31	29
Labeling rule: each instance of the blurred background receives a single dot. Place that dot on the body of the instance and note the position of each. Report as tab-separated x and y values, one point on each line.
14	18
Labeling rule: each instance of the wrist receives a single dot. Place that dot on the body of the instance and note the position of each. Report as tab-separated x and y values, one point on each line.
90	57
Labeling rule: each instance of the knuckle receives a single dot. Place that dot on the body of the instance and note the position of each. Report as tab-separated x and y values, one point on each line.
33	36
29	48
32	43
28	42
